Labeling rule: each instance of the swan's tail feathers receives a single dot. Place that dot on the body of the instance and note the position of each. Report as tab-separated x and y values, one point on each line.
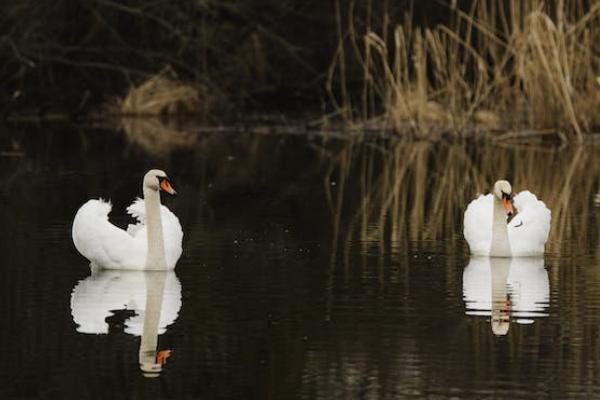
91	214
97	208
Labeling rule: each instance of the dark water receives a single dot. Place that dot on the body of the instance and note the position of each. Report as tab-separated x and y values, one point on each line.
312	269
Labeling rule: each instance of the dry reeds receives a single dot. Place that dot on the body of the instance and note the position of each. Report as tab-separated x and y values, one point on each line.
163	94
149	113
499	65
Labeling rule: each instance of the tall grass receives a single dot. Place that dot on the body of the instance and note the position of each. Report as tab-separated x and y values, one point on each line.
527	66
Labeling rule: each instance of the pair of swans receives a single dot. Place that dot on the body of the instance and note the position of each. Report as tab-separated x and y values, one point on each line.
491	228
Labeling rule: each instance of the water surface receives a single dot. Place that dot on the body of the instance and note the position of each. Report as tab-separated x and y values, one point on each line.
312	269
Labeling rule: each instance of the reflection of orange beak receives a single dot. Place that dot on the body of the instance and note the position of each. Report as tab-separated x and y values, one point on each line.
508	206
162	355
166	186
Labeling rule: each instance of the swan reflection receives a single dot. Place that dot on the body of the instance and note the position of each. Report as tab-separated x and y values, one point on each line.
506	289
154	297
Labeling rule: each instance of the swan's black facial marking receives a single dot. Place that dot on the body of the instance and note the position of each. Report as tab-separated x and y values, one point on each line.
506	195
520	224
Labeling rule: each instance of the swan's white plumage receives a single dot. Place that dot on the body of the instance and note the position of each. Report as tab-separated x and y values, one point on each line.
527	231
111	247
478	224
526	282
98	296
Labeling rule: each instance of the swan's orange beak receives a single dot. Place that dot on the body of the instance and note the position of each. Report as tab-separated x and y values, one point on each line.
166	186
508	205
162	355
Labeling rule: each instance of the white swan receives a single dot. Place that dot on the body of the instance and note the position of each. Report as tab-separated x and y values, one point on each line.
506	288
154	297
489	232
154	243
98	296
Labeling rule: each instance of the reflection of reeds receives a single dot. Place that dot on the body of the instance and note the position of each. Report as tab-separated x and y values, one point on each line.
518	65
419	191
155	136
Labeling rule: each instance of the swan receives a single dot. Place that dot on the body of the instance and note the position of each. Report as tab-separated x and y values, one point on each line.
154	297
153	243
515	288
104	292
490	230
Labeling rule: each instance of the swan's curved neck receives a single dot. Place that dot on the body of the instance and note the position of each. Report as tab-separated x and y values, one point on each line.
155	259
500	244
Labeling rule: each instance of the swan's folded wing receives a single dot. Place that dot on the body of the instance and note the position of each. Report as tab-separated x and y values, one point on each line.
529	229
478	224
100	241
137	210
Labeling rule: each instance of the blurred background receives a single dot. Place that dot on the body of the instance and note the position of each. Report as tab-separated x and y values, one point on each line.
324	153
417	68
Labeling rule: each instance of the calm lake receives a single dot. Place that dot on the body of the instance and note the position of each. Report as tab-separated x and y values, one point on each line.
312	268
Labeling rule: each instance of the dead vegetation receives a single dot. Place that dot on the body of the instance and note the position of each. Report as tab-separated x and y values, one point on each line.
164	94
152	114
524	66
426	69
